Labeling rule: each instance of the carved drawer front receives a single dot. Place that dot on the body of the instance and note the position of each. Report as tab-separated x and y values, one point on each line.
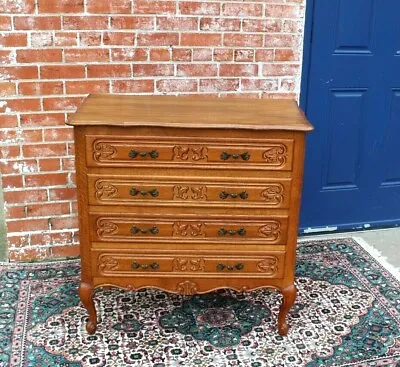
274	154
108	263
108	228
273	193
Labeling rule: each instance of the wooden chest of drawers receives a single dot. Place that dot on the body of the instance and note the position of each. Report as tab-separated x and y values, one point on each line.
188	194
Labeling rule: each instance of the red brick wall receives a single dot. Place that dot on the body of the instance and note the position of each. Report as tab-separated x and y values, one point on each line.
54	52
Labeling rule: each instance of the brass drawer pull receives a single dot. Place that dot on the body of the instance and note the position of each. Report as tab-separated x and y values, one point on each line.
152	230
243	195
152	266
133	154
134	192
222	267
232	232
225	156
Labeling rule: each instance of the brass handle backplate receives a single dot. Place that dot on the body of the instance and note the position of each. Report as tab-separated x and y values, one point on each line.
232	232
137	266
134	192
244	156
243	195
222	267
134	153
152	230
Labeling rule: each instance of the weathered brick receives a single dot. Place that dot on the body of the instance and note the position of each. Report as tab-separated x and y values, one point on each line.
109	6
37	22
13	40
199	8
87	86
15	7
129	54
176	85
132	22
153	70
201	39
242	10
65	39
108	70
158	39
33	56
86	55
218	85
154	7
57	6
238	69
62	71
190	70
119	38
133	86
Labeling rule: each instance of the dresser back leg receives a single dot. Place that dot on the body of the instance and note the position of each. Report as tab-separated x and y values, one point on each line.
86	296
289	296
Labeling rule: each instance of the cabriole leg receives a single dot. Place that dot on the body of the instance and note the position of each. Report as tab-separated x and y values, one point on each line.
86	296
289	296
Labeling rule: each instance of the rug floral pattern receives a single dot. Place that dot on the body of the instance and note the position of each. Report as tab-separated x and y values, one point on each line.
347	313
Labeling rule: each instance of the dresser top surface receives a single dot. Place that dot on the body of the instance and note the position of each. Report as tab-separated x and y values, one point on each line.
190	112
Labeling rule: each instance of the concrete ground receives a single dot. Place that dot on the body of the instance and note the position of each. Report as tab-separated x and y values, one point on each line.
386	241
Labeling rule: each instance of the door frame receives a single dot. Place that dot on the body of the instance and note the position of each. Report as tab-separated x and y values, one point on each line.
308	29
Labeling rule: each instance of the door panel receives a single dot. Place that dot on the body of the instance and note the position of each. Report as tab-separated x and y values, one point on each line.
352	171
354	30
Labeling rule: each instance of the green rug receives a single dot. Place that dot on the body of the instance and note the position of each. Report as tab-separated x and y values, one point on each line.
347	314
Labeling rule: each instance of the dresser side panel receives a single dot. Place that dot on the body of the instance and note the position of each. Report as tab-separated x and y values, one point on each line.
82	188
294	212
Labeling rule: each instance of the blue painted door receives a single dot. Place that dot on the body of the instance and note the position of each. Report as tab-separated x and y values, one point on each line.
352	170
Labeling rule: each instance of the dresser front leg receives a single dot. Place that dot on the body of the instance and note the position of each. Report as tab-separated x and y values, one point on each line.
86	296
288	298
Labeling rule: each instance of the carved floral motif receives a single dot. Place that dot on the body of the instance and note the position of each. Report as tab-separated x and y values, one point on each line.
268	266
104	190
108	263
273	194
271	230
181	192
103	151
187	288
192	153
276	155
191	264
196	192
181	229
106	228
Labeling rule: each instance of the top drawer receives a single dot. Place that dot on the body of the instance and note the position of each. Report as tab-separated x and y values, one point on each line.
119	151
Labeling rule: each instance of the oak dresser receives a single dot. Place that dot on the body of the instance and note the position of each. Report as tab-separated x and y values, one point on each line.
188	194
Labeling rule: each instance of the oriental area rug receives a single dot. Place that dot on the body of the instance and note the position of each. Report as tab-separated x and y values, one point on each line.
347	313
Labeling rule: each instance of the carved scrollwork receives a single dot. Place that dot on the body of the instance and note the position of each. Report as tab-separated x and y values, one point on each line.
268	266
181	192
276	155
273	194
187	288
192	153
196	192
103	151
185	264
199	192
181	229
106	228
108	263
104	190
199	153
271	230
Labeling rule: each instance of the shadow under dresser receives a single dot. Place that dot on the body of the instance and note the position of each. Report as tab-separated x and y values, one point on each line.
188	194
